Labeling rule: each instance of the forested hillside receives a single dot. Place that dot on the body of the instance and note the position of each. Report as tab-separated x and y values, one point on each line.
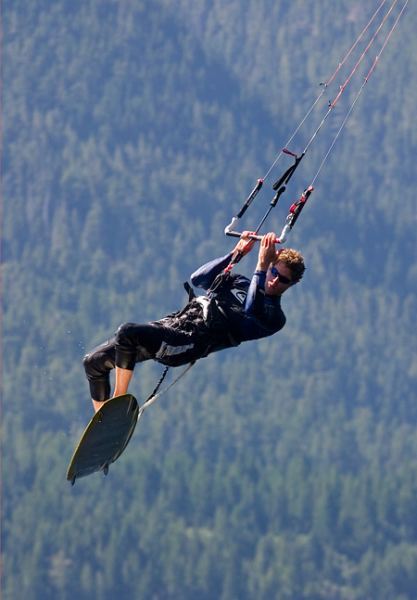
286	468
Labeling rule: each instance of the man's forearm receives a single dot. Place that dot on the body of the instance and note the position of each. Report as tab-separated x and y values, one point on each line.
255	297
262	266
205	275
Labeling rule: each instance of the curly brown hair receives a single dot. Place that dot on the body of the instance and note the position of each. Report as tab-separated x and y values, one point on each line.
294	260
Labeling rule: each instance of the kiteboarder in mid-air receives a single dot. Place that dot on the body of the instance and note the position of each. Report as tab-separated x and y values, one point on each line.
233	310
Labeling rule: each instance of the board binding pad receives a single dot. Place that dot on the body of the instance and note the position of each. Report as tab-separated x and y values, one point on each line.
105	437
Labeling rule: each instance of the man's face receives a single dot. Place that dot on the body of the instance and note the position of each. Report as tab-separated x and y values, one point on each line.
278	279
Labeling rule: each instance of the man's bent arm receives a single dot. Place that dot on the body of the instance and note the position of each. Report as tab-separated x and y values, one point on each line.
205	275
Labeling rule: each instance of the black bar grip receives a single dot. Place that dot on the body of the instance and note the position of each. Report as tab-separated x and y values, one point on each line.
277	196
250	198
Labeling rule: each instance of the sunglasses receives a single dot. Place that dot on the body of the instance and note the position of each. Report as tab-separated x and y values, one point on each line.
282	278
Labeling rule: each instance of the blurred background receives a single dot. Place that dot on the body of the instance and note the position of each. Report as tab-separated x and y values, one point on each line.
132	133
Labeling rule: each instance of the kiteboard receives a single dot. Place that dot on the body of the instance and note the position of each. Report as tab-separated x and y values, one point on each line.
105	437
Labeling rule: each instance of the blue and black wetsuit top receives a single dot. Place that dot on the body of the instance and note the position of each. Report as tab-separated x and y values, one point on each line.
251	314
234	311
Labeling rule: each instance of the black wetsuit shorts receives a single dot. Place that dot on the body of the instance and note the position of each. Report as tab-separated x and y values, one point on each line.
174	341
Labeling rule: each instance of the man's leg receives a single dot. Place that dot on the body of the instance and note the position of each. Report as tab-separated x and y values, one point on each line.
134	342
123	377
96	404
97	364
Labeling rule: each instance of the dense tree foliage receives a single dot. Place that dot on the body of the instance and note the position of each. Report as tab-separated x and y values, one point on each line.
286	468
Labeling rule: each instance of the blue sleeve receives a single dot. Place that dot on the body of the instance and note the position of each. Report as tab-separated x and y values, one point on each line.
205	275
255	299
264	313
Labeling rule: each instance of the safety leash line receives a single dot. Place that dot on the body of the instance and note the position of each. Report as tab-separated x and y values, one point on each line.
155	394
